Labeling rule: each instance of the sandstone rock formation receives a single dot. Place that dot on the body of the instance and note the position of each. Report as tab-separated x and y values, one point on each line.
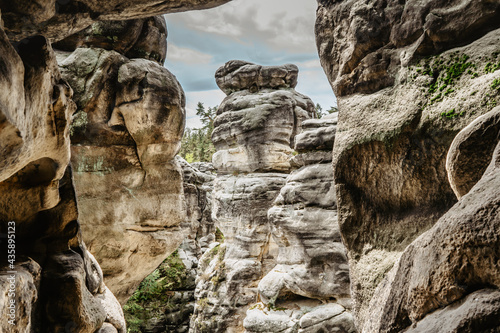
57	19
308	289
56	281
254	132
164	302
59	286
257	121
409	76
125	133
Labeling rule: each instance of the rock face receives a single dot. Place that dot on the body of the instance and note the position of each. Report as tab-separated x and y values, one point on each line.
406	86
125	134
198	186
254	130
308	289
57	19
257	121
58	285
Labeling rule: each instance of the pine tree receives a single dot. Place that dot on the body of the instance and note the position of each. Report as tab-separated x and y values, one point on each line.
196	145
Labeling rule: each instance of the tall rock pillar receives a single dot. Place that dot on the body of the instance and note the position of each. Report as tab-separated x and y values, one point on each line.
254	132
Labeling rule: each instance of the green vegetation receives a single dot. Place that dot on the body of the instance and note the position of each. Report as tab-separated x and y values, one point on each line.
155	293
496	84
79	122
197	143
445	73
318	110
452	114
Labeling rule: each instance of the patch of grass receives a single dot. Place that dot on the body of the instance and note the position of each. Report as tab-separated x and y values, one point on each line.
452	114
496	84
491	67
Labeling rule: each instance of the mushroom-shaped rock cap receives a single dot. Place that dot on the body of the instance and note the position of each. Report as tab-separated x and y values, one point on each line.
238	75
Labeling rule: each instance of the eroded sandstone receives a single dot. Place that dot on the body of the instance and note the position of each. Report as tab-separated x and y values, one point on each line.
407	85
254	133
308	289
125	134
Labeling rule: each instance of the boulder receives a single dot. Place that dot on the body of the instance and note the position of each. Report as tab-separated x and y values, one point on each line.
471	151
246	136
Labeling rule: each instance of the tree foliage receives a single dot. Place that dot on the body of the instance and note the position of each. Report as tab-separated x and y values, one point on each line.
320	113
197	144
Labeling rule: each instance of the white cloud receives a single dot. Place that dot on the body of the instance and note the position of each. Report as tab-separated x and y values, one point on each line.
280	24
309	64
187	55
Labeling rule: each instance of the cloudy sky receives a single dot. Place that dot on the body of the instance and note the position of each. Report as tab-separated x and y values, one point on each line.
266	32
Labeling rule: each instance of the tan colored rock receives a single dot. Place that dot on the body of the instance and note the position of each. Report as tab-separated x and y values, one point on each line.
139	38
126	132
471	151
391	144
19	296
246	133
37	196
34	144
59	19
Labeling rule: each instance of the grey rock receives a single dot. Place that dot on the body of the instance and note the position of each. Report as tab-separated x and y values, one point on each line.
245	135
321	138
390	151
471	151
239	75
362	43
311	185
107	328
477	312
434	271
57	20
311	157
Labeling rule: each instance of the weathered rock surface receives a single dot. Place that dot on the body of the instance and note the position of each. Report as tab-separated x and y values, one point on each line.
312	262
164	302
471	151
239	75
226	283
140	38
399	113
57	19
254	130
125	134
37	201
457	255
363	43
59	284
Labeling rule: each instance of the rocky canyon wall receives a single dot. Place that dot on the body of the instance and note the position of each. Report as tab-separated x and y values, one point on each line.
409	76
58	285
308	289
125	133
